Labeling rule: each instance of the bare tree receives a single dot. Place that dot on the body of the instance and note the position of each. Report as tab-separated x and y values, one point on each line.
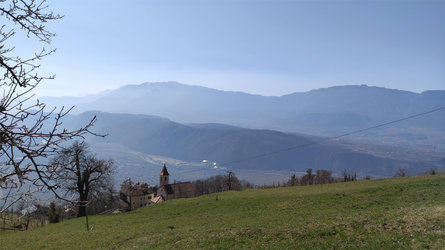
308	178
323	177
348	176
293	181
82	174
29	133
229	179
104	201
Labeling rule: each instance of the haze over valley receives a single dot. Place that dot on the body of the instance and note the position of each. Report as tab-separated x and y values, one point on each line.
184	125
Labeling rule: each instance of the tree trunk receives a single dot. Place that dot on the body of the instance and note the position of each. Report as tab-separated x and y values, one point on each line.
82	206
82	211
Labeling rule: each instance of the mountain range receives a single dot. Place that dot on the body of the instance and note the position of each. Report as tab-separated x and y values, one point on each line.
324	112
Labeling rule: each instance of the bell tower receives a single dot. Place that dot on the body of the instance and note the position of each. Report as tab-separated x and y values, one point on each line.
164	176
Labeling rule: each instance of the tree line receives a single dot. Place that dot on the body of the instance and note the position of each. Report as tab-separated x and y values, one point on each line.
319	177
220	183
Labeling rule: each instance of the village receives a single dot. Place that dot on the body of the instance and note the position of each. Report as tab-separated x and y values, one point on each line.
134	196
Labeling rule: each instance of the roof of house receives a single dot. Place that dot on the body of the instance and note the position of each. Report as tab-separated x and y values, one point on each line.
164	171
157	199
137	190
180	187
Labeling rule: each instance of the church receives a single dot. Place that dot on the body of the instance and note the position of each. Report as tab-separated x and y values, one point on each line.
172	191
141	195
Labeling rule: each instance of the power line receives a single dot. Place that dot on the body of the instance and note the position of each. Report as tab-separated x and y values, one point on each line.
332	138
316	142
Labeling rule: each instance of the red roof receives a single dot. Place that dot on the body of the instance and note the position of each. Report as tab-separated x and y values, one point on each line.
164	171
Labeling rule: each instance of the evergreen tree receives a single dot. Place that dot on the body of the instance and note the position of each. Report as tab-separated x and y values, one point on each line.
53	213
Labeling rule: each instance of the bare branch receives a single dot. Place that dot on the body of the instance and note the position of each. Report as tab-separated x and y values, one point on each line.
29	134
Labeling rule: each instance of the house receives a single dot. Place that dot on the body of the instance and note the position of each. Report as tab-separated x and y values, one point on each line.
135	196
173	191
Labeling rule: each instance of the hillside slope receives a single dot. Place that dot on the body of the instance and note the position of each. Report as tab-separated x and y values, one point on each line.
224	144
397	213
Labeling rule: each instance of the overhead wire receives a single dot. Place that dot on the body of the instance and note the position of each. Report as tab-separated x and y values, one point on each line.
323	140
332	138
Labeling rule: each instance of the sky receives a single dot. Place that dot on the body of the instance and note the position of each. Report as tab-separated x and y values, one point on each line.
271	47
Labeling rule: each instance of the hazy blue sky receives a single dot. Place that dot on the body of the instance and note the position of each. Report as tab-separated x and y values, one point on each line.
264	47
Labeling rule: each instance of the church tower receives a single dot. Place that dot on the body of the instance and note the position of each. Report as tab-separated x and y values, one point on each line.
164	176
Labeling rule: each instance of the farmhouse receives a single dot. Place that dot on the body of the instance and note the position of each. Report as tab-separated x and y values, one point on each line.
135	196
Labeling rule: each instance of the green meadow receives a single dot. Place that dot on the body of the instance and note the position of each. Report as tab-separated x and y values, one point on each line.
393	213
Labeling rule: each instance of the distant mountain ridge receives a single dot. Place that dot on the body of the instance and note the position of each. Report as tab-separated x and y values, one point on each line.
327	111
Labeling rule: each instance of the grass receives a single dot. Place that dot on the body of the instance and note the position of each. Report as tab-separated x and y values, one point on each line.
393	213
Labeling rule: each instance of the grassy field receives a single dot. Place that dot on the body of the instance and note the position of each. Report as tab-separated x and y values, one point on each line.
393	213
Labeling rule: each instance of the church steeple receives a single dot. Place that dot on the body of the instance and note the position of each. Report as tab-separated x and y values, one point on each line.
163	180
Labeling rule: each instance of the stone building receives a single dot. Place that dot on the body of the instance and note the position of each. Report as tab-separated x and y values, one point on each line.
135	196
